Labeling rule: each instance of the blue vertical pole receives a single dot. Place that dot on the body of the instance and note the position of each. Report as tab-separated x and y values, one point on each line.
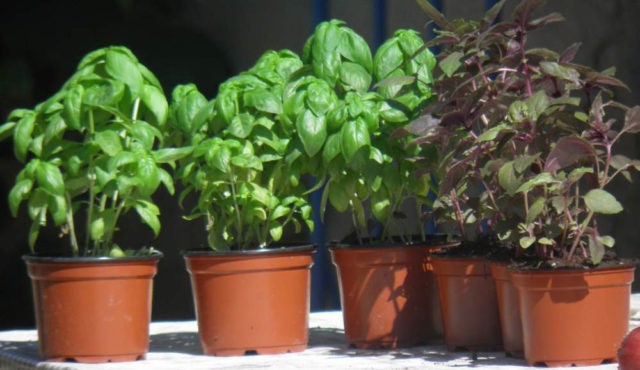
320	272
488	4
379	22
438	5
431	226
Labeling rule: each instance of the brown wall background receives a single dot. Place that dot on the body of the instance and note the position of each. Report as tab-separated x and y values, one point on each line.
205	42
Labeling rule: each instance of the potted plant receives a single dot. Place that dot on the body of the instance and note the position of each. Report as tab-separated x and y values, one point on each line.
548	142
386	287
91	154
245	166
454	122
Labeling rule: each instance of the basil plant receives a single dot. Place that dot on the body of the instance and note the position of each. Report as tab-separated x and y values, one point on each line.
363	100
246	161
91	153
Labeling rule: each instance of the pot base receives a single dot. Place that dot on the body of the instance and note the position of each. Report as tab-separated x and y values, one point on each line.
595	362
257	351
98	359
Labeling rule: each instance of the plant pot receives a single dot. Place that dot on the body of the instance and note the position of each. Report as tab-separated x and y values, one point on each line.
573	317
509	310
251	302
388	295
469	304
92	309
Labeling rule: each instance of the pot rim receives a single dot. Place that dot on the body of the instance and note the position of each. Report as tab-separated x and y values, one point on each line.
39	258
415	242
622	265
277	249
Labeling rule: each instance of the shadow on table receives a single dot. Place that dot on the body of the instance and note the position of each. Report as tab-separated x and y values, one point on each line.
186	342
434	353
189	343
21	352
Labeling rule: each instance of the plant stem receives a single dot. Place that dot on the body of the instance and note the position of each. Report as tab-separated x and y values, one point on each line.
237	208
579	233
136	106
458	213
92	179
72	229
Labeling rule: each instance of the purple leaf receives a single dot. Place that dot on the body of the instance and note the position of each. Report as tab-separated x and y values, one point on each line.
549	18
568	151
570	53
525	8
632	120
601	79
423	125
453	176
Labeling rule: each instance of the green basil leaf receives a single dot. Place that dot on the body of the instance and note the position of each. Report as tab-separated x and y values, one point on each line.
148	213
263	100
353	47
156	102
320	97
109	142
97	228
167	180
58	209
354	77
168	155
247	161
121	67
354	135
22	136
279	212
50	178
6	130
19	192
241	125
381	205
388	58
338	198
148	176
332	148
73	106
34	230
312	131
123	158
221	159
275	230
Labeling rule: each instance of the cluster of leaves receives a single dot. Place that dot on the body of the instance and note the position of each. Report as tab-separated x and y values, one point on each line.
362	100
92	147
289	118
527	137
245	163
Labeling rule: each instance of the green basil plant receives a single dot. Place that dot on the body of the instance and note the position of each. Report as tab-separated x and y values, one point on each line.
92	152
360	101
246	162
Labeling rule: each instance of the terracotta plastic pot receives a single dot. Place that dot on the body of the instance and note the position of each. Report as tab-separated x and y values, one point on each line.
388	295
92	309
573	317
251	302
469	304
509	310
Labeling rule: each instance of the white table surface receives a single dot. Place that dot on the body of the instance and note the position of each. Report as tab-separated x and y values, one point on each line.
175	346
